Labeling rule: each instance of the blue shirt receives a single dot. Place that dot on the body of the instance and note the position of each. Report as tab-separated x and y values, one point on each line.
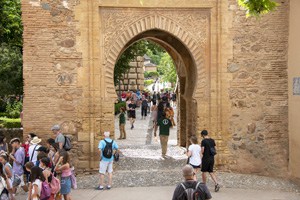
102	145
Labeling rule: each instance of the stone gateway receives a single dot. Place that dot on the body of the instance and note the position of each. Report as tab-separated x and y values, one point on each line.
232	73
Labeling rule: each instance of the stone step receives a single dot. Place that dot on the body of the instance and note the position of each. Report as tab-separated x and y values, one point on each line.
171	177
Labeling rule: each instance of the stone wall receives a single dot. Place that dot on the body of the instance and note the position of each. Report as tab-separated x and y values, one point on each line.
233	71
258	91
294	97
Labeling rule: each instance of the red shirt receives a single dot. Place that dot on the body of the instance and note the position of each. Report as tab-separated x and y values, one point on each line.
26	148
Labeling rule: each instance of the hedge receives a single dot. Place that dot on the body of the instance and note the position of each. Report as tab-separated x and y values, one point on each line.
10	123
148	82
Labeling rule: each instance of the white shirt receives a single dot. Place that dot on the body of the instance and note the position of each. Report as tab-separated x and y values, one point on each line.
34	155
37	182
195	158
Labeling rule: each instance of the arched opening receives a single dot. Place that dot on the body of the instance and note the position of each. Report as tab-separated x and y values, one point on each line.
186	71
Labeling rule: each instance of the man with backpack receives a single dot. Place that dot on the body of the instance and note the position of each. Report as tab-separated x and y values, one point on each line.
60	138
63	142
106	148
190	189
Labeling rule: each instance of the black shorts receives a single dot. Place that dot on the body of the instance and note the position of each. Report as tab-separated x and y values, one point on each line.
132	115
208	165
195	167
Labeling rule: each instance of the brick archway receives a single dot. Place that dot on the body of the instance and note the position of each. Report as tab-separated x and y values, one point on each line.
186	49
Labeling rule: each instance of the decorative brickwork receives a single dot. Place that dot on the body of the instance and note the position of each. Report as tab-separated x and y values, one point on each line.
232	73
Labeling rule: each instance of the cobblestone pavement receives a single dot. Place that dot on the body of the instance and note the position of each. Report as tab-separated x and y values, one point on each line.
141	170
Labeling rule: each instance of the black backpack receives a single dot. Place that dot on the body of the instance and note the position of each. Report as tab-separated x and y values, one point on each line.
108	150
191	193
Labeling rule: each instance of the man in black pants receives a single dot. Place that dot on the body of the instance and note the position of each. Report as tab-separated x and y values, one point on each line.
199	189
208	160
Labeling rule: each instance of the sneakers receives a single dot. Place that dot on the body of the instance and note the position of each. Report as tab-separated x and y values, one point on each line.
217	188
108	187
99	188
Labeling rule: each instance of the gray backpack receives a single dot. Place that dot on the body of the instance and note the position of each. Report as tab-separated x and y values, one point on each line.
191	193
68	145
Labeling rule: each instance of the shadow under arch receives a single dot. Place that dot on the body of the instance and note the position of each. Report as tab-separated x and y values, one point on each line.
187	72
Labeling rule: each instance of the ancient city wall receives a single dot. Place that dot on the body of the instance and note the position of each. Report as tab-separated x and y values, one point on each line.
241	91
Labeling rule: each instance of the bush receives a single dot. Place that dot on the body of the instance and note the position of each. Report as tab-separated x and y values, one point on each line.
151	74
2	105
14	109
118	106
148	82
10	123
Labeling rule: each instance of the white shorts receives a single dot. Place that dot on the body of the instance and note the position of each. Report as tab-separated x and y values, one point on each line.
105	167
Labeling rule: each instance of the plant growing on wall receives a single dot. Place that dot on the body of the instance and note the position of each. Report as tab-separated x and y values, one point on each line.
258	7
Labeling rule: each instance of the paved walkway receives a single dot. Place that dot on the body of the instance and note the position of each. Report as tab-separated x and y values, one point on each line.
165	193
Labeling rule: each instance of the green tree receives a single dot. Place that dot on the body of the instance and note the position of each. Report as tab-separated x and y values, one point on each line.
139	48
258	7
166	69
130	54
11	30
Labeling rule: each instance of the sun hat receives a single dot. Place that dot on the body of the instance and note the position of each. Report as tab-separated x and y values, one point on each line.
35	140
55	127
14	140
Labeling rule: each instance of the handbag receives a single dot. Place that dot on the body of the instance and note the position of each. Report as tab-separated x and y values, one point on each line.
73	180
116	157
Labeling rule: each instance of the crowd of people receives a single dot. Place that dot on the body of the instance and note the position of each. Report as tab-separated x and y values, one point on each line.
200	155
42	171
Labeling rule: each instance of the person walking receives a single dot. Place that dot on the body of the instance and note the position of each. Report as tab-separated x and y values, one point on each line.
208	160
8	172
63	167
106	148
4	184
131	111
200	189
164	131
59	137
194	154
3	145
34	145
36	179
144	107
122	122
18	158
154	118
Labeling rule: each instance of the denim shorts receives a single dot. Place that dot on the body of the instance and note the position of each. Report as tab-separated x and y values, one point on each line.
65	185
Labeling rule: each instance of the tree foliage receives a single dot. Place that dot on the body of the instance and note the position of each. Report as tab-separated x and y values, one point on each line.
11	30
258	7
166	69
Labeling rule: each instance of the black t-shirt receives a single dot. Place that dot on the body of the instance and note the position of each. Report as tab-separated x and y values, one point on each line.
133	106
179	193
207	144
